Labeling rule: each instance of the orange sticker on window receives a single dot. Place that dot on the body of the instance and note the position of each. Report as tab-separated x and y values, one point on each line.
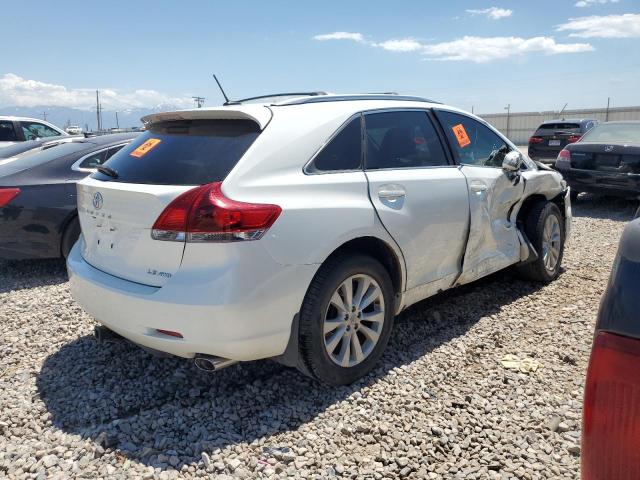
461	135
145	148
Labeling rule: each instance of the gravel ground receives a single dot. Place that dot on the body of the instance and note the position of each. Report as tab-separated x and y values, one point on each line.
440	405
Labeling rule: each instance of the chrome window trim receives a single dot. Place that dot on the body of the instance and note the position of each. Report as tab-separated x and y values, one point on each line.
76	165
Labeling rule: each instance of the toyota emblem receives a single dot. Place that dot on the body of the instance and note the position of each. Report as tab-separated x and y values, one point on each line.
97	201
608	148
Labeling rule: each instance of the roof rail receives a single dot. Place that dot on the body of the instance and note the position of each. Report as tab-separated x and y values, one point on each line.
348	98
292	94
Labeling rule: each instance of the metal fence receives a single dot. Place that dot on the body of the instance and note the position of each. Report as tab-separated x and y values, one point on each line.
521	125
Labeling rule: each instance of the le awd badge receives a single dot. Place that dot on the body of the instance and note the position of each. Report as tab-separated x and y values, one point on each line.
461	135
145	148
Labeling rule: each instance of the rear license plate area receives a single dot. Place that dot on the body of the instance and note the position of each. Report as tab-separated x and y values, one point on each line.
554	143
607	161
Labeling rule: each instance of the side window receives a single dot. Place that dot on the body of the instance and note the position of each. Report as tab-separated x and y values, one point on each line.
111	152
343	152
471	141
7	132
402	140
33	130
93	160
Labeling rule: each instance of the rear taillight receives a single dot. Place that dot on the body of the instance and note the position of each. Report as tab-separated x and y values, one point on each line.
573	138
7	194
563	162
534	140
611	415
204	214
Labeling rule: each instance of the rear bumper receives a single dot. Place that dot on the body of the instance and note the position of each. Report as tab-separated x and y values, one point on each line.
247	322
593	181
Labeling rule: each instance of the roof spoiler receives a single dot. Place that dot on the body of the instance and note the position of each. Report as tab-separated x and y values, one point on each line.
255	113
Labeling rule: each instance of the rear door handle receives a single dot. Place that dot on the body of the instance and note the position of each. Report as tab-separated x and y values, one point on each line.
391	192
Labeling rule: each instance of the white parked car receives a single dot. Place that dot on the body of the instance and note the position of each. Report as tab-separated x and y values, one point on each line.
297	230
20	129
73	130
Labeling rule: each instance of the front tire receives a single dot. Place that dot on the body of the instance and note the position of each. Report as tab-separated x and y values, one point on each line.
346	319
544	227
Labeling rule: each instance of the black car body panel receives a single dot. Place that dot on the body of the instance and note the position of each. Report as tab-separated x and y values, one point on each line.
554	135
620	307
604	169
32	224
21	147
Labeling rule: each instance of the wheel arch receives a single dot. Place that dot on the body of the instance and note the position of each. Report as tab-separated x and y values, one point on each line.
378	249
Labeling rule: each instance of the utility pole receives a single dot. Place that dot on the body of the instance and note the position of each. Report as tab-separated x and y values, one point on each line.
606	117
508	109
98	110
44	116
471	108
199	101
117	123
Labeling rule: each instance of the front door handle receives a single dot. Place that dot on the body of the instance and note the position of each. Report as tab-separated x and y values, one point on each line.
391	192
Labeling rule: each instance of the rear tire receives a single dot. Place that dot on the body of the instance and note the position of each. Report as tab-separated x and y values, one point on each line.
70	236
342	334
544	227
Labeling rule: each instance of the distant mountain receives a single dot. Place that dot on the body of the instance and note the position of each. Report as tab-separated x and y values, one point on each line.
61	116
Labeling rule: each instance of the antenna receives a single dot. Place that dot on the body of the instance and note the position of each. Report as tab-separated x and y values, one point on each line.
565	106
226	99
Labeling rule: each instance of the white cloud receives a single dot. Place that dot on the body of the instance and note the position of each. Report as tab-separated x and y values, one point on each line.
402	45
356	37
494	13
471	49
485	49
21	92
606	26
588	3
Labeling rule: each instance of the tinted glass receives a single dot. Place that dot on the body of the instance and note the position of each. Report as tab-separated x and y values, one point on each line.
614	133
343	152
33	130
183	152
472	142
7	132
35	157
402	140
93	160
560	126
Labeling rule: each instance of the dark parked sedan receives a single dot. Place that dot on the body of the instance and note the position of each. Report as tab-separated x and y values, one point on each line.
554	135
38	213
611	414
605	161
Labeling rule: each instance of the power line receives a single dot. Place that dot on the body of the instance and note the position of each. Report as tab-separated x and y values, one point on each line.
199	101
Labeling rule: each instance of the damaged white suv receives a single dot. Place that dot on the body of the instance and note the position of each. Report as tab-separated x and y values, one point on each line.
297	229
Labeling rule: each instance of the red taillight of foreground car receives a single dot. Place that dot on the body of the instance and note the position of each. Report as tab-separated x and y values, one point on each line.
204	214
7	194
573	138
611	416
534	140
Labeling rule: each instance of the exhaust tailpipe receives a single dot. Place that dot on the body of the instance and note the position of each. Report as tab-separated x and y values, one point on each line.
103	334
210	363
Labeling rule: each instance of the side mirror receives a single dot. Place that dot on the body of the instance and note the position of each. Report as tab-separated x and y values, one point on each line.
512	161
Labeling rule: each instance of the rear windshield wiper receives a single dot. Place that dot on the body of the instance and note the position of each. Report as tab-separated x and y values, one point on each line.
107	171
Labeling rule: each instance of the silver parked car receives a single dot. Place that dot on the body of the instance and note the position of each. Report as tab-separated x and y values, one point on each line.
297	229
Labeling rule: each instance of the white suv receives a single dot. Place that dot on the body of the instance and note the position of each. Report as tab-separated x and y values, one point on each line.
297	230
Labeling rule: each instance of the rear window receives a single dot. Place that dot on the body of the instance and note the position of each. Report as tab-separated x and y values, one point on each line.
183	152
559	126
614	133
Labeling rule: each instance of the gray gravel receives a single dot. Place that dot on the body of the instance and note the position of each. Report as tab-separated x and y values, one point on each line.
440	405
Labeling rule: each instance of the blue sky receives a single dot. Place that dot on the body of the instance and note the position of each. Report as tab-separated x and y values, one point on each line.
533	55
